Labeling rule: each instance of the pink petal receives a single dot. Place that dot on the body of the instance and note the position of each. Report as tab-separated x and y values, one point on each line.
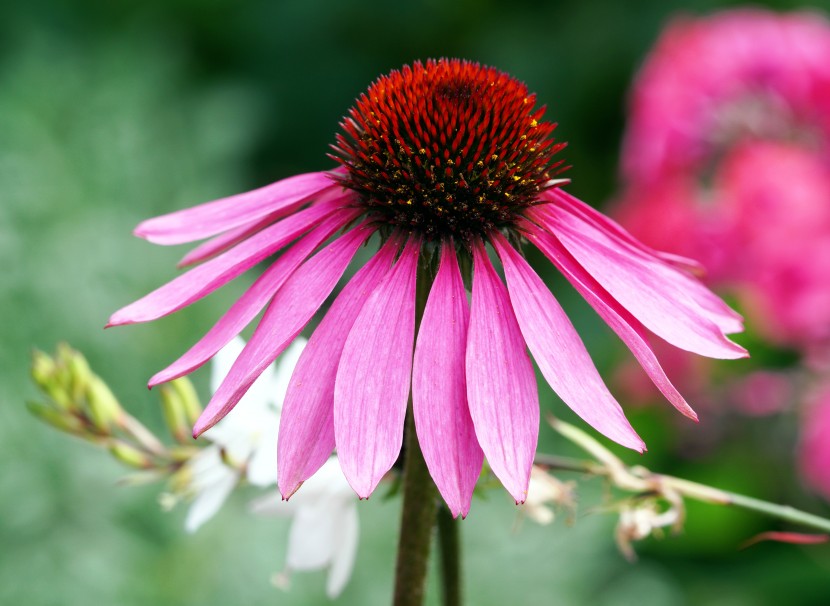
439	389
221	215
615	315
372	385
711	305
655	293
251	303
290	310
559	351
607	224
306	434
231	238
206	278
226	240
796	538
501	386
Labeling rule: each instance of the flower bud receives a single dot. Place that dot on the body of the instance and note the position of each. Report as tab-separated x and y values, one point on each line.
57	418
80	374
104	409
130	455
46	375
188	398
175	414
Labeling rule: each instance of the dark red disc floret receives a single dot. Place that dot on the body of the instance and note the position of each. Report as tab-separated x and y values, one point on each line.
447	148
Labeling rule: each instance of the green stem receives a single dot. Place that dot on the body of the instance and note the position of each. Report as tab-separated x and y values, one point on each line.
450	546
419	492
696	491
707	494
417	520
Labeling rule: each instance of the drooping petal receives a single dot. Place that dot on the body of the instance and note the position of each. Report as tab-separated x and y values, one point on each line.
501	386
289	312
372	385
610	226
439	389
224	241
655	293
221	215
626	326
285	368
252	301
559	351
728	320
306	435
204	279
231	238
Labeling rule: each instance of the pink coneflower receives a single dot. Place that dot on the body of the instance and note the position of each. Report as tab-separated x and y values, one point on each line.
438	160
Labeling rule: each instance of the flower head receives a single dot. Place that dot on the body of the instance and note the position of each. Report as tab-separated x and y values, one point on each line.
439	160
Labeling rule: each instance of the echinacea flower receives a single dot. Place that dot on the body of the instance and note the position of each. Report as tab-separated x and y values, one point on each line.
438	160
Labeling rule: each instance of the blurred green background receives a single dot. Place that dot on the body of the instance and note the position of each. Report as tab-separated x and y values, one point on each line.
111	112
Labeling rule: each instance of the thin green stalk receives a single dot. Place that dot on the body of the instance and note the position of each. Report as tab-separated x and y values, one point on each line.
449	544
419	493
639	479
707	494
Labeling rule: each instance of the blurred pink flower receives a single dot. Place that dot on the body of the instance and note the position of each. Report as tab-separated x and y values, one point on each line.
776	198
741	74
762	393
727	159
814	449
438	160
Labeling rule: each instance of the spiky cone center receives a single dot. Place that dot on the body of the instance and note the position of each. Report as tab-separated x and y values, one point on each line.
448	149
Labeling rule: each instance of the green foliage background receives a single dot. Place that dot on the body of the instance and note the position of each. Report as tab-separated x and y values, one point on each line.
113	112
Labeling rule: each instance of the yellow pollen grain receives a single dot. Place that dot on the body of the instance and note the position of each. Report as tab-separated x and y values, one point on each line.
422	151
494	157
533	124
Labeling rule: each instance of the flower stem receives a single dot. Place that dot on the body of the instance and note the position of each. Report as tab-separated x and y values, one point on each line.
450	546
419	492
417	520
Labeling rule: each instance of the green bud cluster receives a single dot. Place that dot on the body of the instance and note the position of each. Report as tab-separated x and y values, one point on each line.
80	403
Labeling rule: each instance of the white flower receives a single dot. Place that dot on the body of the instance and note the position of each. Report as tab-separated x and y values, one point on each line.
640	521
324	532
545	490
245	441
